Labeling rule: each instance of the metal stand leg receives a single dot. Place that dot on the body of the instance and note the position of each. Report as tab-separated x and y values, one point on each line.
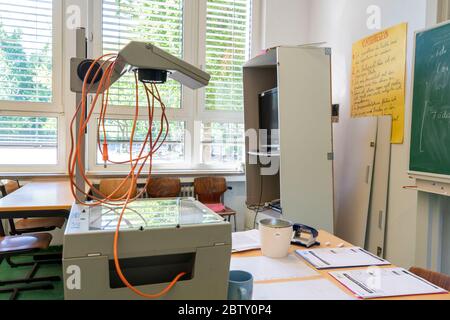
55	258
12	264
2	230
29	279
15	291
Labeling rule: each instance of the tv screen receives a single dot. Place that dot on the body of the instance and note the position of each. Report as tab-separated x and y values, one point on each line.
268	115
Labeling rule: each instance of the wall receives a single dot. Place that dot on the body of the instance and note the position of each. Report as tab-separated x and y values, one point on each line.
285	22
346	24
235	199
340	23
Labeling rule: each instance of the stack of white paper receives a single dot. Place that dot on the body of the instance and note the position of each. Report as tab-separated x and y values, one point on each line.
244	241
321	289
263	268
389	282
341	258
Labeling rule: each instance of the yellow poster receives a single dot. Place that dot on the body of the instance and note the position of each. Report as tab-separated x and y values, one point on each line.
378	77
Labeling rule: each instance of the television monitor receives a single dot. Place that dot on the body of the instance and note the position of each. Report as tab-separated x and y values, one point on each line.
268	117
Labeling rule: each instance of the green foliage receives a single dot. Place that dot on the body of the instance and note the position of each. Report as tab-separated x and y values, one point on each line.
22	73
145	23
120	130
18	130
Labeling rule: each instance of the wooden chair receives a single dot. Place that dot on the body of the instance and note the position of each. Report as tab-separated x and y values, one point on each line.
11	246
107	187
29	225
164	188
439	279
210	191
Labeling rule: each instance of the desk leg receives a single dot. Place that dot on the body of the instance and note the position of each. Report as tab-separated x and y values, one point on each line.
2	230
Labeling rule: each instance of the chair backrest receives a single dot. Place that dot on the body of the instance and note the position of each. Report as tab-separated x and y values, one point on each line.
210	189
164	188
107	187
9	186
439	279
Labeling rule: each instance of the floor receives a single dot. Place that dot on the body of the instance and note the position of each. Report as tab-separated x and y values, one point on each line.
8	273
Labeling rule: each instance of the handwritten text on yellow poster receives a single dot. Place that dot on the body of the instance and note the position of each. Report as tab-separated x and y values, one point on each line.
378	77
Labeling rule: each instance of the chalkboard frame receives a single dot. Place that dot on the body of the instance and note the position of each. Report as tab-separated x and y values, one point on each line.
422	175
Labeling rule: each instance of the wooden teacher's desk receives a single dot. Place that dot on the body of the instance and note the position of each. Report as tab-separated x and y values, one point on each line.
325	237
54	199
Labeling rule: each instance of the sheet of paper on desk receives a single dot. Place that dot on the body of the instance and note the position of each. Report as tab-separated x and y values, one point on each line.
385	282
321	289
263	268
333	258
245	241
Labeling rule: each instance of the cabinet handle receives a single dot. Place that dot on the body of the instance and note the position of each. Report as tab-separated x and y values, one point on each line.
380	220
368	174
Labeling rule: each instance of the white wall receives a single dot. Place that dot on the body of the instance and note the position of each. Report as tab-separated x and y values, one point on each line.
284	22
235	199
348	25
340	23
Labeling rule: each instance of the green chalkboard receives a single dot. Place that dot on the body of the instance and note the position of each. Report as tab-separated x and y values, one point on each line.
430	132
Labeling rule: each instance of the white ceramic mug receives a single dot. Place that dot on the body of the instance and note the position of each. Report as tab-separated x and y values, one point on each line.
276	236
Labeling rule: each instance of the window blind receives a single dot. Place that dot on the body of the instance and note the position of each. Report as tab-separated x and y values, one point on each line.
26	50
28	140
227	49
159	22
222	143
118	133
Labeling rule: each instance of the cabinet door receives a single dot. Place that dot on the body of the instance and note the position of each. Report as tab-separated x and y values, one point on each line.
376	226
354	172
306	166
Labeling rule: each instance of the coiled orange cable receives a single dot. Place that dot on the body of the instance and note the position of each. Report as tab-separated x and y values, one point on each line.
137	164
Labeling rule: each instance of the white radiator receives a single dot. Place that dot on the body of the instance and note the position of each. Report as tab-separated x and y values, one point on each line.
187	191
143	195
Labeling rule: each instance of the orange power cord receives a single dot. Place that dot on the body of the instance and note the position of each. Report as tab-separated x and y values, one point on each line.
137	164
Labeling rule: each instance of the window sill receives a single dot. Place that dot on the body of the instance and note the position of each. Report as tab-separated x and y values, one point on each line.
185	175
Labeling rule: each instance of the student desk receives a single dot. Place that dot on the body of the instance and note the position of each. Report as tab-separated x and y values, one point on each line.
37	200
325	237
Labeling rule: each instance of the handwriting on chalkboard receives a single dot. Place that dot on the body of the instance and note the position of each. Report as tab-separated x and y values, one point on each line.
378	77
430	123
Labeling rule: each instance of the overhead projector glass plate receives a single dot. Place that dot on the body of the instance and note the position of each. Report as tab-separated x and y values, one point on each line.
152	213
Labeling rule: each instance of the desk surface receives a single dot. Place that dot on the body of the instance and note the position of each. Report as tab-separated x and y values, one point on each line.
52	195
325	237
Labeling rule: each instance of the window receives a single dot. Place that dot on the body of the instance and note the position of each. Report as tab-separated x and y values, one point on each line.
222	143
227	49
118	135
206	130
28	140
29	85
157	21
26	50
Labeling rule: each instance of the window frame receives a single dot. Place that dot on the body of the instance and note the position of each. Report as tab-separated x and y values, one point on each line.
57	53
212	115
60	165
192	111
54	109
97	39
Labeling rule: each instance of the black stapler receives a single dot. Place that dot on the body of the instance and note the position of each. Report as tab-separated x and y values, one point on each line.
305	236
